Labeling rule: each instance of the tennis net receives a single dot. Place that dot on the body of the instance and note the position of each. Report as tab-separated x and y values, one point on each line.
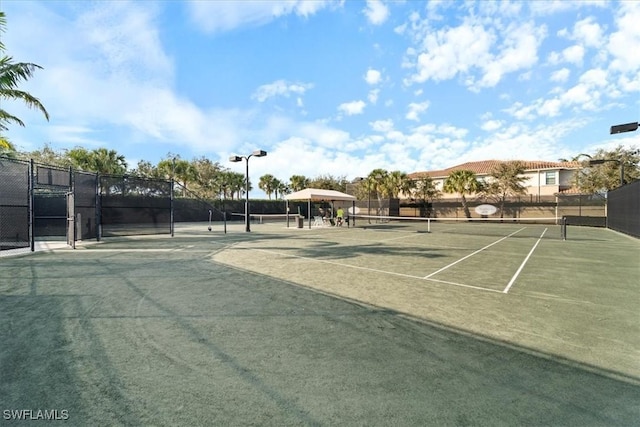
266	218
525	227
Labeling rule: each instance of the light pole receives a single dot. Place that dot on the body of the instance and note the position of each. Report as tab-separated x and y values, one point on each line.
257	153
224	209
627	127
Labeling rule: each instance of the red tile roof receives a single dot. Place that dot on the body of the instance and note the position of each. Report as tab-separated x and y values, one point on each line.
484	167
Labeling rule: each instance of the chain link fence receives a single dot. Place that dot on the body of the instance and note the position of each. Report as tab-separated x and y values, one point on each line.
134	206
15	204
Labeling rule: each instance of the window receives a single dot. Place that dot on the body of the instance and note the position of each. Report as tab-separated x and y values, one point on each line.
550	178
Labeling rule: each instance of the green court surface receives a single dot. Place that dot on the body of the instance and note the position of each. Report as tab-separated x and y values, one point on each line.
383	325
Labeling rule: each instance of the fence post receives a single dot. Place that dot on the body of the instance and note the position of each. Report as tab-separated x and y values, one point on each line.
32	228
171	221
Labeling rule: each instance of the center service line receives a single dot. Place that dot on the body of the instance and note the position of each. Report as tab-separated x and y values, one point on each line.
472	254
515	276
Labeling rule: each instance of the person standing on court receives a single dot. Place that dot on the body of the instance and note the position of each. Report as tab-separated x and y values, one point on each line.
339	216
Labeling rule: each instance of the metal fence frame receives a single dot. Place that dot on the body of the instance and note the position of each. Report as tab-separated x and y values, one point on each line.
21	182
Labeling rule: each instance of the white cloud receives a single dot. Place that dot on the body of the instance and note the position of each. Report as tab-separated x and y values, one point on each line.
376	11
225	15
560	75
448	52
588	32
382	125
373	77
622	41
518	51
491	125
280	88
373	96
573	54
352	108
123	37
415	109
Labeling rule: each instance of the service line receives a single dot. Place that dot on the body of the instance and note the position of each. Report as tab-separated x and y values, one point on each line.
472	254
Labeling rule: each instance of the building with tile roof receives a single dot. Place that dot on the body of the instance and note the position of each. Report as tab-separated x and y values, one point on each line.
544	180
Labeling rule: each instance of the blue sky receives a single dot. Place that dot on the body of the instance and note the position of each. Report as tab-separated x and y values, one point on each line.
329	87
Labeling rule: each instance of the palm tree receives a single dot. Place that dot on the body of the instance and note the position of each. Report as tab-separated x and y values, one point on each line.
425	190
282	188
462	182
182	171
298	182
235	184
184	174
378	182
399	183
268	183
506	180
11	75
108	162
100	160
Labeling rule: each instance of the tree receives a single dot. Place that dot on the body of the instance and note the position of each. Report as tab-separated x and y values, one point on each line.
399	183
268	184
100	160
329	182
234	183
180	170
378	185
11	75
282	188
606	176
146	170
7	149
298	182
425	190
207	177
463	182
506	180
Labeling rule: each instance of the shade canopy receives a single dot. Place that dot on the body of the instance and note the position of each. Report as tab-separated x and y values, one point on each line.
317	194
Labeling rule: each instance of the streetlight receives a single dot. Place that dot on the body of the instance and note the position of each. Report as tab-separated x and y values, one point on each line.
601	161
224	209
627	127
257	153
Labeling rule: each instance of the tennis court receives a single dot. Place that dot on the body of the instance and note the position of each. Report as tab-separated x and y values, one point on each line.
378	324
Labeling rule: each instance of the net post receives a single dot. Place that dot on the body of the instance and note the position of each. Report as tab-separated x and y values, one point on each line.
563	228
428	225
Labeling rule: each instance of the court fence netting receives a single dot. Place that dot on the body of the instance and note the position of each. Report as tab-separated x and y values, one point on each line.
44	202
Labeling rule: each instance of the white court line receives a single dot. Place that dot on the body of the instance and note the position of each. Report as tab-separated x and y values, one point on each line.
134	250
515	276
472	254
375	270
